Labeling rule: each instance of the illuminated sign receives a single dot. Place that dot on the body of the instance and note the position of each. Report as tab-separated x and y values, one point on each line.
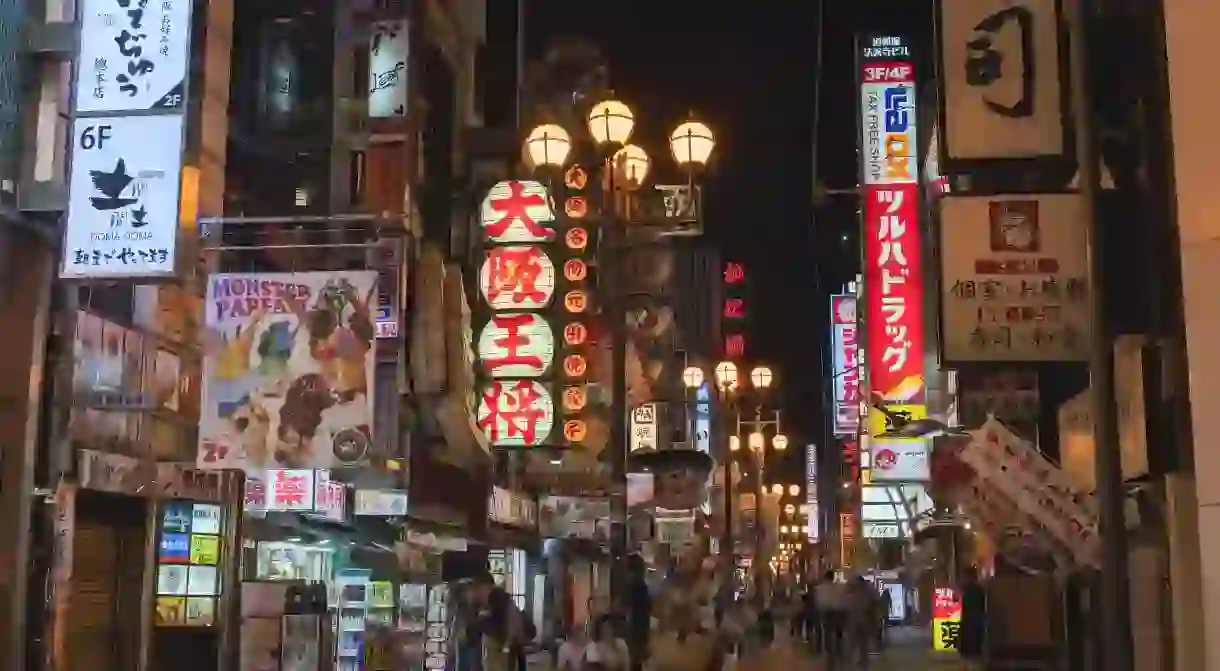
519	413
811	493
946	619
844	343
518	211
734	311
893	275
517	278
517	345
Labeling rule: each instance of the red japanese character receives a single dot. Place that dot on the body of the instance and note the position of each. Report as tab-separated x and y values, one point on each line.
512	341
517	405
290	490
515	208
516	271
734	273
734	346
734	308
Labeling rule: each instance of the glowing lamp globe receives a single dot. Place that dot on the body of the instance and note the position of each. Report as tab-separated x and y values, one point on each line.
692	144
611	122
547	146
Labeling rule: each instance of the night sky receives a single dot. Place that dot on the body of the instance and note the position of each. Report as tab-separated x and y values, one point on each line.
750	71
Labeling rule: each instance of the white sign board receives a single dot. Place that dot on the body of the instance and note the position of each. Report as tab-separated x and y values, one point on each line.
133	55
644	427
1014	278
388	53
882	529
1001	72
900	460
123	197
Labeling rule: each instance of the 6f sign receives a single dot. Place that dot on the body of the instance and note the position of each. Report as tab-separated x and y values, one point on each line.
95	137
122	217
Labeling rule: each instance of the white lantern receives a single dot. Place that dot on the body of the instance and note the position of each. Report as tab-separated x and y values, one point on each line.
519	413
516	345
518	277
518	211
630	165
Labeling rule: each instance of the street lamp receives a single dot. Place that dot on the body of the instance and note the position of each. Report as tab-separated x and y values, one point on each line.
611	122
761	377
756	440
630	165
692	377
547	146
692	144
734	443
779	442
777	490
726	375
794	490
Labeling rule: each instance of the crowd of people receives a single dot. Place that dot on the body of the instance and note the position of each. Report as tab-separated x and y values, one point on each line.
842	621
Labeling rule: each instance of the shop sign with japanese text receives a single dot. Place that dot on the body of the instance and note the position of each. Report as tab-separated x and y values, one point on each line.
535	282
133	55
1014	278
893	280
845	347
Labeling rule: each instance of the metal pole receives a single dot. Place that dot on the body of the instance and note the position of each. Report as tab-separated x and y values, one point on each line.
726	534
612	276
1113	599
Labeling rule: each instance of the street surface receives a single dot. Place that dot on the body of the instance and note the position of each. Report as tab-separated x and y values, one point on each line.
909	649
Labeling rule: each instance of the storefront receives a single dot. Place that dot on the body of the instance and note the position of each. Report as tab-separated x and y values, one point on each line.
515	560
308	562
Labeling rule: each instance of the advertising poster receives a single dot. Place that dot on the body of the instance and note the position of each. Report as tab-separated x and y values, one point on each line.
287	371
946	619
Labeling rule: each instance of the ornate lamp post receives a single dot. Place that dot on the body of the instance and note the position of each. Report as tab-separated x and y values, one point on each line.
610	125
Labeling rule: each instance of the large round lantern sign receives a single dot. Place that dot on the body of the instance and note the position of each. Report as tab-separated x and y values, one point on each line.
519	344
517	413
517	278
518	211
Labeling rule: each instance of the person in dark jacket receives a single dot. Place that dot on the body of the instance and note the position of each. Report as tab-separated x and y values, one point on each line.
973	632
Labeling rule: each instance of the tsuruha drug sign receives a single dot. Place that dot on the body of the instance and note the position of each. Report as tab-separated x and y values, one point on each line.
893	286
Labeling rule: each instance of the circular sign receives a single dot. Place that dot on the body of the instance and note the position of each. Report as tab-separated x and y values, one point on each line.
517	278
575	270
575	365
575	430
883	459
576	238
576	207
575	334
576	178
518	211
517	413
575	398
518	344
576	301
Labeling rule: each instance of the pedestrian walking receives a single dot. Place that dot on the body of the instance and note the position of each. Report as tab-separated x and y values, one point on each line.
813	624
832	604
861	622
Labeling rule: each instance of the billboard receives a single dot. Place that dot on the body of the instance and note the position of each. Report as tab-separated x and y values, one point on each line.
287	370
893	290
844	345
